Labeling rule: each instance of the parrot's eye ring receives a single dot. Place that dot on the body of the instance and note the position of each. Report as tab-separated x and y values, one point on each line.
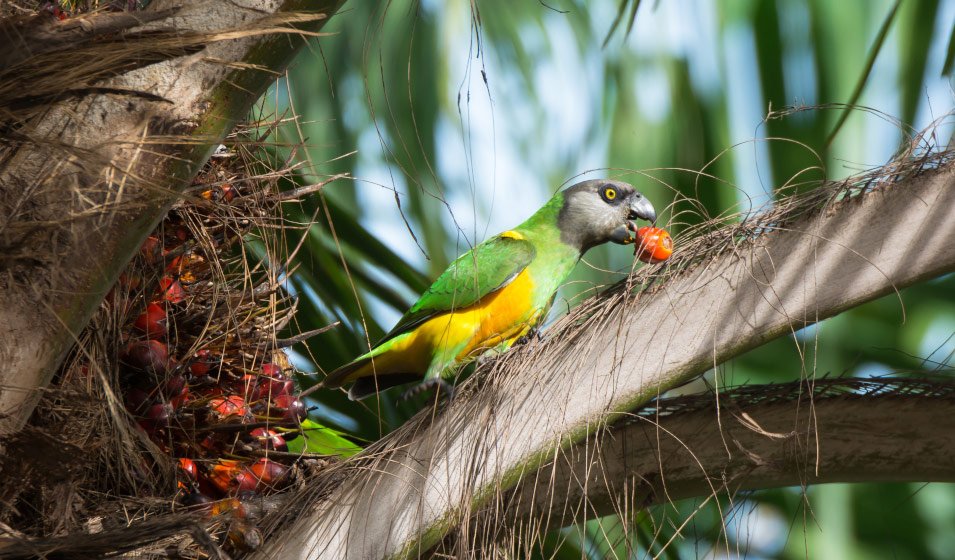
609	194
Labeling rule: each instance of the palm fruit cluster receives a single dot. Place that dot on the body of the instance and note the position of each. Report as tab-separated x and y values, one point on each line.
178	407
200	368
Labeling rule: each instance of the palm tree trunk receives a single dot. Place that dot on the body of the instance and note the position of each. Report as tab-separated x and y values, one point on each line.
89	180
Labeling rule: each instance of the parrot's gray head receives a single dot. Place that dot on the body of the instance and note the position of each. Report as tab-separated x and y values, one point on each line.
601	210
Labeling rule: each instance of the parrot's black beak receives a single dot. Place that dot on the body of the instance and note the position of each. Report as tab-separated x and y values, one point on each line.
622	235
641	208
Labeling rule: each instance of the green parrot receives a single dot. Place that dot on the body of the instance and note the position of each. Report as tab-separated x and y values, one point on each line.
497	292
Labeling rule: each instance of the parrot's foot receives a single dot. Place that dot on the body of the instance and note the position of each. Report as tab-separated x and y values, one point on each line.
533	335
427	385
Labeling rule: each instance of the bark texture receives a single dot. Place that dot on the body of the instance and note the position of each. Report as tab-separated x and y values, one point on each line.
91	177
541	399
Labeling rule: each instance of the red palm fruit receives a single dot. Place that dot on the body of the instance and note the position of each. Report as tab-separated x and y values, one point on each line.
276	386
231	506
232	405
262	475
249	386
198	368
292	409
146	355
188	468
151	249
175	385
171	290
203	362
174	265
653	244
245	482
269	439
182	398
223	474
160	415
152	322
224	192
274	382
208	443
181	233
137	400
186	267
280	388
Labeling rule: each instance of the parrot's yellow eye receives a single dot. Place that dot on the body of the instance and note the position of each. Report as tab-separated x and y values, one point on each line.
610	193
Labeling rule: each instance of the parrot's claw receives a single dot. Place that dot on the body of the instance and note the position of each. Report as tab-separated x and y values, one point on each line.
427	385
533	335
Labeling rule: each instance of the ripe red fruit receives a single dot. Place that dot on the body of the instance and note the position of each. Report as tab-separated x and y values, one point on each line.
146	355
280	388
272	383
223	474
137	400
245	482
249	386
203	363
151	249
269	439
225	192
653	244
171	290
174	385
188	467
209	443
231	506
274	387
160	414
186	267
233	405
262	475
293	409
152	322
182	398
181	233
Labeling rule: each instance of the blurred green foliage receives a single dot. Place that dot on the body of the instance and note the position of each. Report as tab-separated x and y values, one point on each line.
467	116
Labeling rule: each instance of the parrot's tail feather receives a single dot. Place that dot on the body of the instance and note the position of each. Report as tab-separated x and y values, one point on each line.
367	386
343	375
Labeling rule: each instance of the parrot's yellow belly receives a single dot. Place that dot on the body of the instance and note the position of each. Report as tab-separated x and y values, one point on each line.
500	318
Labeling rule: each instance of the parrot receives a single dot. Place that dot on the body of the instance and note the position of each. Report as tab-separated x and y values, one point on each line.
496	293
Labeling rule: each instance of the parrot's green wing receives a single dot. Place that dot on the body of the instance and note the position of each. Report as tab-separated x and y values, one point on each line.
485	269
